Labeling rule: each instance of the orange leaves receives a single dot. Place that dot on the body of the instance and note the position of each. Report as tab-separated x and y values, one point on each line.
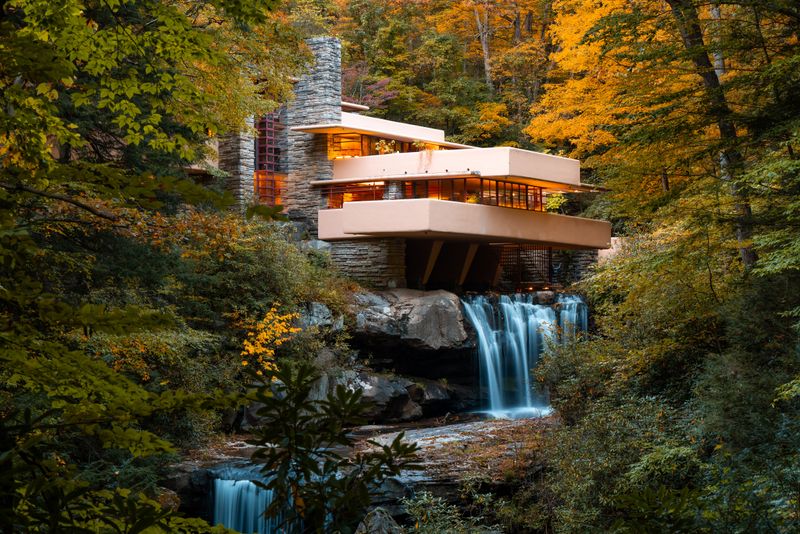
606	82
133	354
197	233
265	337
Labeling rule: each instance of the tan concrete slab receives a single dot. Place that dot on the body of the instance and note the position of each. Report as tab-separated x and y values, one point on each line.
440	219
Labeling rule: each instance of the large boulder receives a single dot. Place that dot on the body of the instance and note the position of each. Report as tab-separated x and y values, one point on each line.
388	397
394	398
319	315
192	484
379	521
421	320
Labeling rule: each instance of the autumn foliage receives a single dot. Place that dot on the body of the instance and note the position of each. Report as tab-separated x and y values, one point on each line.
265	337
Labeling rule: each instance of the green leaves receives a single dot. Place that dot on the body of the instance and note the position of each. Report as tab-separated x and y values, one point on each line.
103	106
318	481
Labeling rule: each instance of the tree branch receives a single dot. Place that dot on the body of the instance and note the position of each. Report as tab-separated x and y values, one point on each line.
62	198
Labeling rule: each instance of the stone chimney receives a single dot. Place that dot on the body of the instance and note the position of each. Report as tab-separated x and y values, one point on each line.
318	97
318	100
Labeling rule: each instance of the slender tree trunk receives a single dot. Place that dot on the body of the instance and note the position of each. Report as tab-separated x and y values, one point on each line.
484	34
768	59
719	59
761	40
664	180
549	48
730	160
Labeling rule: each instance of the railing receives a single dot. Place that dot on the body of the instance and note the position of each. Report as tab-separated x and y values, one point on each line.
269	187
470	190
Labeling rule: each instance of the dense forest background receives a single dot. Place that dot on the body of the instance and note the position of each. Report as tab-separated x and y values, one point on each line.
127	290
680	412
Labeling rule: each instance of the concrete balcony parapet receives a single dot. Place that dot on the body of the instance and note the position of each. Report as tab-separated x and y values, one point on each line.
523	166
445	220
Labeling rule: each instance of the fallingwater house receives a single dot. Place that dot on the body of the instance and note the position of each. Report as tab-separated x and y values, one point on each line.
402	207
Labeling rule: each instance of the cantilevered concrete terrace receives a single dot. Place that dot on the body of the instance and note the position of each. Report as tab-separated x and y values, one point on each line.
445	220
521	166
437	190
353	123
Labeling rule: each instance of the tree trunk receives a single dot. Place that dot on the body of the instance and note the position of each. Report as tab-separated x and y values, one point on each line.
730	160
549	48
484	34
719	60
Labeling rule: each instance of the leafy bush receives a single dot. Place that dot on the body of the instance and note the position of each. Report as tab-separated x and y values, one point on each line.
304	443
433	515
589	463
577	372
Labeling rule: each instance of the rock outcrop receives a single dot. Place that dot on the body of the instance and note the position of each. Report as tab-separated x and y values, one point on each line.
414	333
379	521
319	315
422	320
393	398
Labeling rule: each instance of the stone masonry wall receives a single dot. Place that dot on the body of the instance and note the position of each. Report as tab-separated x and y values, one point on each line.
237	157
318	97
573	265
377	263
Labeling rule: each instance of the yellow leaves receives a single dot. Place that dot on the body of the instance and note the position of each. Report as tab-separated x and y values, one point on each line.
265	337
493	117
47	90
600	89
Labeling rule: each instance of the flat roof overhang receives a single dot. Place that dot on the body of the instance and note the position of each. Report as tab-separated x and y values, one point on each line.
502	163
365	125
544	184
457	221
352	106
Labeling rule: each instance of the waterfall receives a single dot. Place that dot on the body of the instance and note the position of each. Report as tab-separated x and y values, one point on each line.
574	316
239	504
512	333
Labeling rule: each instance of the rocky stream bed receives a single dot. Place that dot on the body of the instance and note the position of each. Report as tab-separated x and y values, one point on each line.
453	450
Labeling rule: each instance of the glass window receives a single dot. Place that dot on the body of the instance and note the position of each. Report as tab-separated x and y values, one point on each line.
344	146
435	189
447	190
459	193
473	191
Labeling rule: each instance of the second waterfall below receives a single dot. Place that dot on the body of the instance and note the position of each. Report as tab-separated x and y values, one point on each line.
512	333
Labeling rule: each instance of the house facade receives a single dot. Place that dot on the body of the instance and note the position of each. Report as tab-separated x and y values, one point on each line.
399	205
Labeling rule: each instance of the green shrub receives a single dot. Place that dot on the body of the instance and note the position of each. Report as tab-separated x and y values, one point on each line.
300	442
433	515
589	463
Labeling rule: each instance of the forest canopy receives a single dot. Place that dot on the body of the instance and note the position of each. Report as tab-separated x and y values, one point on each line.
680	411
127	288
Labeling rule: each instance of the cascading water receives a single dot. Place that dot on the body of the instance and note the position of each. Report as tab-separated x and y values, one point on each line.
573	316
512	333
239	504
